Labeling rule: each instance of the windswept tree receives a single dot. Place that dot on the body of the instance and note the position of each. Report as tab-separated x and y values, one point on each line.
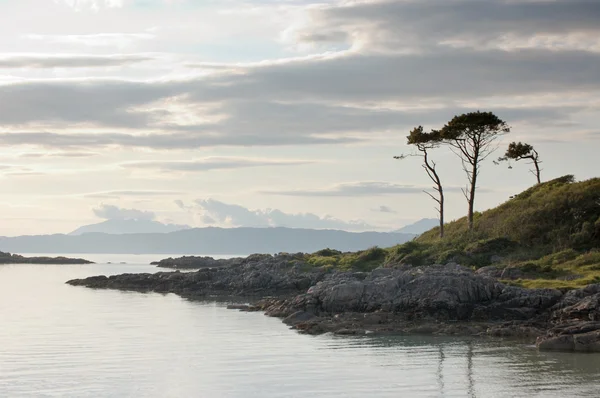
521	151
471	136
424	142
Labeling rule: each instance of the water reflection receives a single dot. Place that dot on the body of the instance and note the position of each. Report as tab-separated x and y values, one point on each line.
59	340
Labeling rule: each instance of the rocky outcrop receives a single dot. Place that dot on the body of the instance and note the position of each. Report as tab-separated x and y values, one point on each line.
255	276
7	258
575	322
193	262
439	299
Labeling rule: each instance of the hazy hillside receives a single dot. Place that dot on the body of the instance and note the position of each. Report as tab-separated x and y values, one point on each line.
204	241
419	227
129	227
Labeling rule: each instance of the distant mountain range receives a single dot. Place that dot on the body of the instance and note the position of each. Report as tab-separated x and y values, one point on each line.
136	226
129	227
420	226
204	241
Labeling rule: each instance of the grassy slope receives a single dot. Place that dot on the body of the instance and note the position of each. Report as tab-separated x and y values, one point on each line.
550	231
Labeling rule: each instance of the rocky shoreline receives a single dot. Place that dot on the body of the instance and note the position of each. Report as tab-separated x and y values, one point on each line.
438	299
7	258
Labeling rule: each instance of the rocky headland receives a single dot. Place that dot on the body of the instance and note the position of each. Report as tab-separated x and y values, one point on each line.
529	269
437	299
7	258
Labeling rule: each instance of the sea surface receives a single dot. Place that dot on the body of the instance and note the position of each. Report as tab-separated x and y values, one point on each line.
58	340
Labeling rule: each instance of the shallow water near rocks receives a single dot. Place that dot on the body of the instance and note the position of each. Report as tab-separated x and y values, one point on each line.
58	340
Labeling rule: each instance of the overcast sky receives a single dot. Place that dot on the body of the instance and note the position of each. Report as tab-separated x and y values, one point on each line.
289	112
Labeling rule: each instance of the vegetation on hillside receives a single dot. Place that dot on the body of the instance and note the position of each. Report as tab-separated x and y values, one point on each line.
550	233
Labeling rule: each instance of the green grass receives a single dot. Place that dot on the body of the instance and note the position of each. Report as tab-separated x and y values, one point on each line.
366	260
551	231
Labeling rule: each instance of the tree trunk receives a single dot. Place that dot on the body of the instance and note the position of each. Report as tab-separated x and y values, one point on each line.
471	198
441	212
433	175
537	166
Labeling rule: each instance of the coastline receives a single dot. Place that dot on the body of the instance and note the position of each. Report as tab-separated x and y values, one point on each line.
439	299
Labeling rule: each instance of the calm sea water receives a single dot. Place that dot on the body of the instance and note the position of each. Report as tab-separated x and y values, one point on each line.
62	341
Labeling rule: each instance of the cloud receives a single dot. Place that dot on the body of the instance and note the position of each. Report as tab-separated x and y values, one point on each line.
157	141
58	155
339	97
385	209
417	25
363	188
94	40
69	61
210	163
227	214
110	212
18	171
119	194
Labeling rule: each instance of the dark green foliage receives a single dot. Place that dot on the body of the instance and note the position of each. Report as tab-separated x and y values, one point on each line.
413	253
365	260
473	124
520	151
494	245
328	252
422	139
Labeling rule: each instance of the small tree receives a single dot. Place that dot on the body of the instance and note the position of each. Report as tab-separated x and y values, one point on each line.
424	142
471	136
519	151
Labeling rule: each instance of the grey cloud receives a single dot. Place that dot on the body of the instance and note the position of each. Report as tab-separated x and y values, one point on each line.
241	216
160	141
69	61
276	124
58	155
394	24
384	209
208	220
212	163
278	90
98	102
456	73
110	212
295	102
363	188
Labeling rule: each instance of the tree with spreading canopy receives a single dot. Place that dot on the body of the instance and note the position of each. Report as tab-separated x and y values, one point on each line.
424	142
471	136
519	151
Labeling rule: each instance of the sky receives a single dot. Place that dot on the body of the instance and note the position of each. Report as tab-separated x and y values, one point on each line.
280	113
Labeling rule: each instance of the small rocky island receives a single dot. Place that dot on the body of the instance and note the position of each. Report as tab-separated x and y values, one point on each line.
7	258
195	262
529	269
